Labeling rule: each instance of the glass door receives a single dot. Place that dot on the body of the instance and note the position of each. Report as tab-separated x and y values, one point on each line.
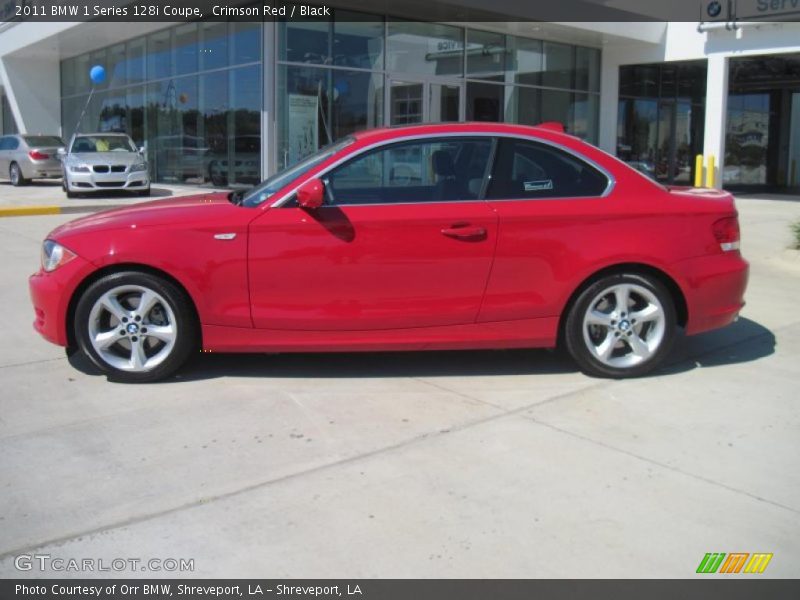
413	101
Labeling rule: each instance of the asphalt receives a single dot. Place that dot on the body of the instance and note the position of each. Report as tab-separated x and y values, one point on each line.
442	464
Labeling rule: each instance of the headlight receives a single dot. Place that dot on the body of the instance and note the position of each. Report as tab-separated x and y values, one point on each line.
54	255
138	167
79	169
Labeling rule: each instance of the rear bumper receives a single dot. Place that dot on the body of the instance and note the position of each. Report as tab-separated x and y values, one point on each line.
714	288
50	294
44	169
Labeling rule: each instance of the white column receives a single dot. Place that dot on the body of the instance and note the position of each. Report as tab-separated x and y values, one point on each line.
269	139
609	100
33	90
716	114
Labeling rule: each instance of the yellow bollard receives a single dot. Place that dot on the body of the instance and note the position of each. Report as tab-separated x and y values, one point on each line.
698	170
710	172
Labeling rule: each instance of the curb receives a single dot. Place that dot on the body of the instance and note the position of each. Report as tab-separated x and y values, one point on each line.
29	211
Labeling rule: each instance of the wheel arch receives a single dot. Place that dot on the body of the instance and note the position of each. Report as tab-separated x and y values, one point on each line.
678	297
115	268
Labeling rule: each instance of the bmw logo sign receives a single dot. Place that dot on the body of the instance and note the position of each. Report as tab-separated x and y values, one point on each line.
714	8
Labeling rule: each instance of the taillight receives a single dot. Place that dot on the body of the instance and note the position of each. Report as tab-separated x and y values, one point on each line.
726	232
36	155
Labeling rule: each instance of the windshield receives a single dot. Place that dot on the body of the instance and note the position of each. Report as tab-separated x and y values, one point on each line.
283	178
43	140
103	143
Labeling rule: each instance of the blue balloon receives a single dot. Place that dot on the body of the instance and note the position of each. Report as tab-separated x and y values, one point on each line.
97	74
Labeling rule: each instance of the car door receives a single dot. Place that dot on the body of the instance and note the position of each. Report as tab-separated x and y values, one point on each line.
552	207
403	241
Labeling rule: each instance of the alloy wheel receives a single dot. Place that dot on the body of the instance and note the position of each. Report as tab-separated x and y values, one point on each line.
132	328
624	325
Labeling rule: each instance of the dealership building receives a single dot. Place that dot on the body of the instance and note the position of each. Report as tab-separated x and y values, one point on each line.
230	102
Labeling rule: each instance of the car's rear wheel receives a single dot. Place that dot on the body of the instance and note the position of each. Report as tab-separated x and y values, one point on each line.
622	325
135	327
16	176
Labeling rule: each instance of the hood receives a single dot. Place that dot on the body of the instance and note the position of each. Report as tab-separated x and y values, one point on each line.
186	211
106	158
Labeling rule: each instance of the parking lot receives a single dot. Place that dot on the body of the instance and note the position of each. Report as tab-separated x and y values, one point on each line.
442	464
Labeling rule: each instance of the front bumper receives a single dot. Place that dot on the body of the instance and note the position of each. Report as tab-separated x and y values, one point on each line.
103	182
714	288
51	292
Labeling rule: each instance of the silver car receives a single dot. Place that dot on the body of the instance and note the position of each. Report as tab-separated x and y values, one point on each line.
24	157
101	162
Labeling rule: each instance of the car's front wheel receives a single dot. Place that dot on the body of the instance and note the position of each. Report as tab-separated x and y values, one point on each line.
136	327
622	325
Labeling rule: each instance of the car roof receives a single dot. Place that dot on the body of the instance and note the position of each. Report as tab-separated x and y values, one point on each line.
481	127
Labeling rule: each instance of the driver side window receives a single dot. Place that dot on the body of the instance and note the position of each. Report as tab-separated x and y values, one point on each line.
438	170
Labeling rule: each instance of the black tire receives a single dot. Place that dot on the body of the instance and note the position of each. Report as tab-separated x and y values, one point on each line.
579	349
186	339
65	187
16	176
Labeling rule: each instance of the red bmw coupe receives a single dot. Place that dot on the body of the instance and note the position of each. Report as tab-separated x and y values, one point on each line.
469	235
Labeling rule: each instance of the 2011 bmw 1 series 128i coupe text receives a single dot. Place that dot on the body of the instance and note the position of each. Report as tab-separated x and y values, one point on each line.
451	236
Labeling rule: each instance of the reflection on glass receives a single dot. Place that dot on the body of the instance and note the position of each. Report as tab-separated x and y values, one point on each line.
159	55
406	103
214	45
485	102
525	60
305	41
585	109
747	138
358	40
444	102
486	55
587	69
186	50
425	48
559	65
556	106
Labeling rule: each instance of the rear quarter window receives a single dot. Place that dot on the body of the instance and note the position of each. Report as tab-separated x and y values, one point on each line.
525	169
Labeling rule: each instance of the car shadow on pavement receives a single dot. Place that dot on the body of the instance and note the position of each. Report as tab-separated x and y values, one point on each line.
744	341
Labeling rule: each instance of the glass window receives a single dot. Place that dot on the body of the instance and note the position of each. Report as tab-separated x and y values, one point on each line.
214	45
245	96
320	106
245	42
68	78
358	40
587	69
117	68
214	105
82	82
585	111
305	41
557	106
98	57
486	55
526	169
485	102
559	65
43	140
523	106
159	55
425	48
136	59
525	60
286	176
637	124
186	49
430	171
639	80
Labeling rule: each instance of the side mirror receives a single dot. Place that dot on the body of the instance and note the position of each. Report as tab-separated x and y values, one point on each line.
61	152
142	150
311	194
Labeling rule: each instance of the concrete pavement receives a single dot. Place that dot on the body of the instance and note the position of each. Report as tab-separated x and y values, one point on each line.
445	464
45	197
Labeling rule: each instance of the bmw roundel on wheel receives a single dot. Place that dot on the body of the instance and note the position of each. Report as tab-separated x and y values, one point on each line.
447	236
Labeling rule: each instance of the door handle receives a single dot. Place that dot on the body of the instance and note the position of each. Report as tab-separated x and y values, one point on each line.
465	231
